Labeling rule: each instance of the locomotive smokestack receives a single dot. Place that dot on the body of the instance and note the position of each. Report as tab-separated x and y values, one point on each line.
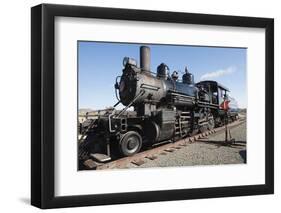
145	58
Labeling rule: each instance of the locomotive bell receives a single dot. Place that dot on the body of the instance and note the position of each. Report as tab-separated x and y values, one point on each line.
145	58
175	75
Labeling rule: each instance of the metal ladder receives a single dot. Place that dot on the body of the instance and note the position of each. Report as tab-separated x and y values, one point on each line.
181	124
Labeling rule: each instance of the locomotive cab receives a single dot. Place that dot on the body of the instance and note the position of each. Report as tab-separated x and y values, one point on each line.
217	95
214	91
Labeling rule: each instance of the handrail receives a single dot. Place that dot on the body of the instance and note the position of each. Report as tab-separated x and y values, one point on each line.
123	110
130	104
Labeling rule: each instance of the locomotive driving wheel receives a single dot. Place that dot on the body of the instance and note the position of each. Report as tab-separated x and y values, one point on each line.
130	143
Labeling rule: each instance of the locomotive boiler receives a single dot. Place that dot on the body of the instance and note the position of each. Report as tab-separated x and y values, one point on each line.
145	91
165	108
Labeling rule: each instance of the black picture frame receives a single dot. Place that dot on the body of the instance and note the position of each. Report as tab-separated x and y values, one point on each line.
43	117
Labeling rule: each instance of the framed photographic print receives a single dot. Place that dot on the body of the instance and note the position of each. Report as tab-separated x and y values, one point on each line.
140	106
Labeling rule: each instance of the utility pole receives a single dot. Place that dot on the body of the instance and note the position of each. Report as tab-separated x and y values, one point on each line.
228	138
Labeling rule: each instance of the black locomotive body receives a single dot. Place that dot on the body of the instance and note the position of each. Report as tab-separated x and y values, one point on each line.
165	108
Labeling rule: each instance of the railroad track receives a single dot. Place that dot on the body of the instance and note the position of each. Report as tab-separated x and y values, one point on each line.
151	154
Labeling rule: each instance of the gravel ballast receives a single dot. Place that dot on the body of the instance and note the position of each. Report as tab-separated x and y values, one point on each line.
208	151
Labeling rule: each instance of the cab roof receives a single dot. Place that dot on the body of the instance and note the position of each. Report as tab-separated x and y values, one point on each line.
213	83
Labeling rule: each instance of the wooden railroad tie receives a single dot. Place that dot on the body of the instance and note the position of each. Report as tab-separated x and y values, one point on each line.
151	157
169	150
138	162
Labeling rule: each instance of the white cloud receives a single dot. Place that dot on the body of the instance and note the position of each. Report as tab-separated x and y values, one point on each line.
218	73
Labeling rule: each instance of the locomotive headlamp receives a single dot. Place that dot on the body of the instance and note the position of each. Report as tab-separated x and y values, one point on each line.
130	61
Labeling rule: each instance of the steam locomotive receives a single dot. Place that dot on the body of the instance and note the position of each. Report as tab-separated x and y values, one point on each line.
165	109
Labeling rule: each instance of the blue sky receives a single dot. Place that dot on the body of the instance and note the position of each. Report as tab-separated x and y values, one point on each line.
99	63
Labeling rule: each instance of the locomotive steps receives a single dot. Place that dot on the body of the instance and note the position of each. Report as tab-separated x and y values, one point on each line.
152	154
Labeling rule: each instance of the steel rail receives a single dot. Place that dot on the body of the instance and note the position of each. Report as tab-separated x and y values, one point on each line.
138	159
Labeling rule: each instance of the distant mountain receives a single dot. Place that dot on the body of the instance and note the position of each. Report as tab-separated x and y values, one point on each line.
84	110
243	110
